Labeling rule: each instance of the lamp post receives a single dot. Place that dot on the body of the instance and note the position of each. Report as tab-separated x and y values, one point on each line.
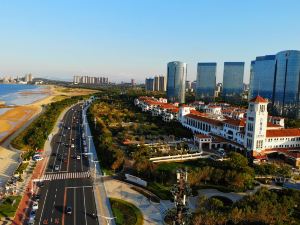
89	137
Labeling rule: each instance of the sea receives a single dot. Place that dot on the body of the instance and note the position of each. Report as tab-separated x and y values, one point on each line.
11	94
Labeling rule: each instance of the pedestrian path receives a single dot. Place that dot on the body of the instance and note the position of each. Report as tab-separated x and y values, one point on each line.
62	176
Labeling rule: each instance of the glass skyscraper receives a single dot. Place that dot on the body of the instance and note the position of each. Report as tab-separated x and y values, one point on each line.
286	89
262	72
177	72
233	80
206	81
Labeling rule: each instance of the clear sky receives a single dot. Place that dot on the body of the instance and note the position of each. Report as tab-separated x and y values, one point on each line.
125	39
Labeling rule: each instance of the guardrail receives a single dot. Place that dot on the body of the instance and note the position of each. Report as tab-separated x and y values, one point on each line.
179	157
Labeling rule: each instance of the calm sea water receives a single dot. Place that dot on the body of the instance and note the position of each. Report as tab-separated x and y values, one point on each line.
11	94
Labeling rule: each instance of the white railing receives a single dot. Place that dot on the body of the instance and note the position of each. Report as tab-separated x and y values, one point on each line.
179	157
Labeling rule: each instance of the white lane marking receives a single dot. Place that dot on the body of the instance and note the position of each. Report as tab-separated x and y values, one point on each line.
74	207
43	206
84	206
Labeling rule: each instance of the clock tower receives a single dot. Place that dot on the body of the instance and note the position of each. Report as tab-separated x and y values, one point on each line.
256	125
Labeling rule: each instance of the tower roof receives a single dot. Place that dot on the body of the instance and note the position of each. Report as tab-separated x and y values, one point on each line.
259	99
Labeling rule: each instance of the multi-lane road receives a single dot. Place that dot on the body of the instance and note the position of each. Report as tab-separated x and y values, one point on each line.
67	179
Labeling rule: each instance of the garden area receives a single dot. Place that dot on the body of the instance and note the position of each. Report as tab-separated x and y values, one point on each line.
9	205
125	212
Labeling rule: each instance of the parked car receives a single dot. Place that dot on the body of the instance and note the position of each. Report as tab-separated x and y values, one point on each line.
37	158
37	198
69	210
57	167
72	146
35	206
78	156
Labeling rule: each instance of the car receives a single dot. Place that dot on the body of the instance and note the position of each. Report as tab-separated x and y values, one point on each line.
78	157
37	198
57	167
37	158
72	146
69	128
32	213
69	210
35	206
40	184
221	152
31	221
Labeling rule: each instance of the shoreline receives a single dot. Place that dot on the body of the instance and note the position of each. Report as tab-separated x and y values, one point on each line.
18	116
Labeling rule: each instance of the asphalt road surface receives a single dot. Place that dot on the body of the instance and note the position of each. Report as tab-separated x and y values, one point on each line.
67	180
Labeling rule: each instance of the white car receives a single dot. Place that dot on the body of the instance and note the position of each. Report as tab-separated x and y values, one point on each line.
72	146
35	206
56	168
78	156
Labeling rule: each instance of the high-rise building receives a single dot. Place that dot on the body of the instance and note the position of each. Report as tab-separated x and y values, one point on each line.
28	78
177	73
132	82
149	84
156	83
188	85
206	80
89	80
286	90
162	83
233	80
262	72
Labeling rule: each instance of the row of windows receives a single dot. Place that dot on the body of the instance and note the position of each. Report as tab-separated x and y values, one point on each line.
285	146
283	139
198	125
231	127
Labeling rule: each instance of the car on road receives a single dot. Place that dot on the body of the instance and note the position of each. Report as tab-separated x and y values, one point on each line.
37	198
78	157
69	128
72	146
32	215
57	167
31	221
69	210
40	184
35	206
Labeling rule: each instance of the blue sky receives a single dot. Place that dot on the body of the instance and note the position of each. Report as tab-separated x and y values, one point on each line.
125	39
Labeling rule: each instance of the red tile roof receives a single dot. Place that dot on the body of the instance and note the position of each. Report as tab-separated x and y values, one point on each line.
259	99
238	123
202	136
293	132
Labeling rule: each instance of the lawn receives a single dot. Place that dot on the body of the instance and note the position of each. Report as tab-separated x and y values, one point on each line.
125	212
162	191
8	207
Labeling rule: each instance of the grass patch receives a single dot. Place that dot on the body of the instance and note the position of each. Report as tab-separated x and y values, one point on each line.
22	167
7	208
162	191
125	212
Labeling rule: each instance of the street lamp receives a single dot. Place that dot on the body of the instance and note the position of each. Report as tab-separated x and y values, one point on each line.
89	137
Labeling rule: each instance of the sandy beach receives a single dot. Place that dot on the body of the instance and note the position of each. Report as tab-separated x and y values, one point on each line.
16	117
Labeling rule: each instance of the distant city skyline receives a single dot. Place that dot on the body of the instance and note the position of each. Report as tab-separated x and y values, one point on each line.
136	39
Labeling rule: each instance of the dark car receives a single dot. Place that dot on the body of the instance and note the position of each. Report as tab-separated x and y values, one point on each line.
41	184
37	198
69	210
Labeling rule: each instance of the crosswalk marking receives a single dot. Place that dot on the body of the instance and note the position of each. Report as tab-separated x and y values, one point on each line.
61	176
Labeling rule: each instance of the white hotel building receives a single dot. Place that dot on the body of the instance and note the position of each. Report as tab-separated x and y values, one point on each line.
256	132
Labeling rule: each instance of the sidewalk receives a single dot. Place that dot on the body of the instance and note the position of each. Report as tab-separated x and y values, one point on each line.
152	212
101	199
